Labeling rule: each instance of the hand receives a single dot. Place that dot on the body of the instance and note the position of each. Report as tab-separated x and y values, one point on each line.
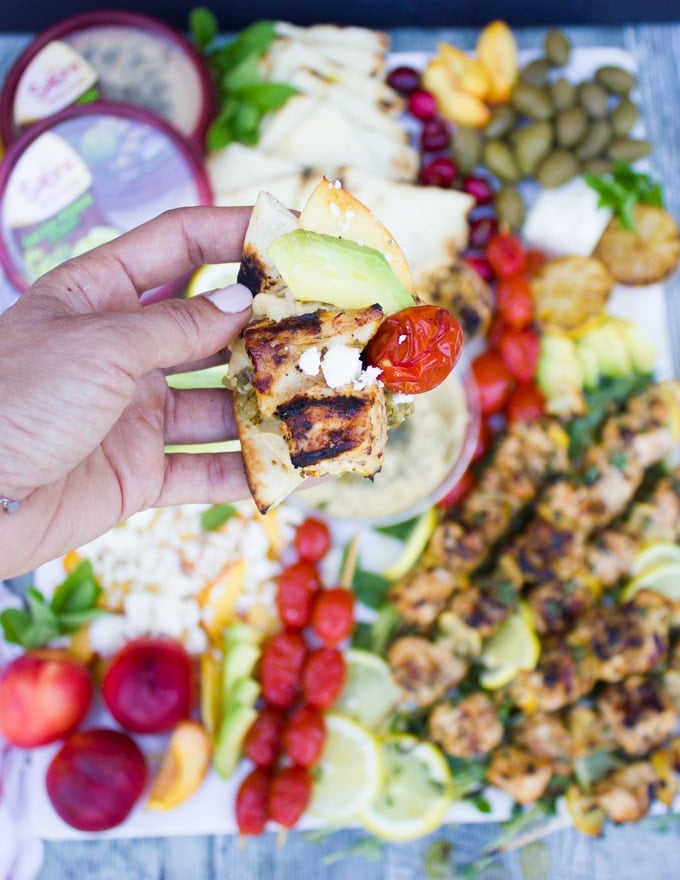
85	409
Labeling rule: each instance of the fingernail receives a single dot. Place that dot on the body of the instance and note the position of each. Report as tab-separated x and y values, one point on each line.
232	299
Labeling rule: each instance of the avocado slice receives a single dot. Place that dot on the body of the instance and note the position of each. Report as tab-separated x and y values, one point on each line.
229	744
244	692
239	662
640	348
611	348
241	632
337	271
590	361
560	375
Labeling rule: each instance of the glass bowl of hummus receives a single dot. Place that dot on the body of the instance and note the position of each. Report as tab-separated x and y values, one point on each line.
425	457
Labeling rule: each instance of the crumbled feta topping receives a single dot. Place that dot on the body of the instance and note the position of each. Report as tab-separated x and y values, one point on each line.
341	365
310	361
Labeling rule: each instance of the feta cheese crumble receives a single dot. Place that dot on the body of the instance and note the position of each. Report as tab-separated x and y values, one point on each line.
340	365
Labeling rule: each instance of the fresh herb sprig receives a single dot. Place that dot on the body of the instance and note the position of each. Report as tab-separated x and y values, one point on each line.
73	604
623	189
244	99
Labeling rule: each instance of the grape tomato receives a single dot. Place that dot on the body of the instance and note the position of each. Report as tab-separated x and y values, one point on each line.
415	348
295	588
333	615
514	301
252	802
323	677
506	254
526	403
494	381
305	735
520	350
289	795
281	665
312	539
264	741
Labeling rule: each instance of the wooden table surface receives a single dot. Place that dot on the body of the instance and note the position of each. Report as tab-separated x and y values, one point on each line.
624	853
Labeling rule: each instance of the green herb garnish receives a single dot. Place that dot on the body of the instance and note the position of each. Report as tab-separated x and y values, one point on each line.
244	99
73	604
216	516
623	189
370	588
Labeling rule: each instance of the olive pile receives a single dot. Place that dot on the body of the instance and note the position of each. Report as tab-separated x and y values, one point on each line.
552	130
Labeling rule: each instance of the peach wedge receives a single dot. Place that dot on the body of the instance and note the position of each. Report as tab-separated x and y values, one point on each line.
456	105
183	767
497	50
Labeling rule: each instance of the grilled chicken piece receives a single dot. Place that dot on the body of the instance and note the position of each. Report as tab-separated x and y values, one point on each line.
484	607
547	737
545	552
424	671
332	432
523	776
421	594
644	428
468	728
556	605
624	640
560	678
626	794
275	348
638	713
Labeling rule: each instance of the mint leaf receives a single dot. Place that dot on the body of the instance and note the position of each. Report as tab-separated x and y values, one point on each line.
254	40
72	621
79	592
38	608
623	189
202	27
216	516
370	588
14	622
265	96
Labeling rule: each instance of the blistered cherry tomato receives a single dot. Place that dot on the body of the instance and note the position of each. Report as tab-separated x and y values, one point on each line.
459	491
535	258
295	588
333	615
252	801
281	664
323	677
305	735
484	440
494	381
505	254
495	332
520	350
526	403
312	539
415	348
264	740
514	301
289	794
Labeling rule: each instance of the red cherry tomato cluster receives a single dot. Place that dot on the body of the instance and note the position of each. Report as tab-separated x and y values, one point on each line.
302	672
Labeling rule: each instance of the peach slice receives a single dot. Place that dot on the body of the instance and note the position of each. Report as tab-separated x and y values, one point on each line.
332	210
211	691
456	105
218	599
183	767
497	50
470	74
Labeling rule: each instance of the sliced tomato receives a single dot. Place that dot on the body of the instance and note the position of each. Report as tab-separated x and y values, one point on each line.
415	349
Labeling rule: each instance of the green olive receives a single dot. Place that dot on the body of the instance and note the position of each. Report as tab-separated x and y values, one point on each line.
500	160
628	150
532	101
509	206
615	79
593	98
466	148
557	47
503	117
624	117
557	168
563	94
598	166
570	126
533	142
536	72
596	141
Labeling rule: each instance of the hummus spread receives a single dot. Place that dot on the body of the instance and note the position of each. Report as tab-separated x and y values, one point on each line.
419	457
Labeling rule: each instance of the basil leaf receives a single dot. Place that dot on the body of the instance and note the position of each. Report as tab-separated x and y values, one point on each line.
265	96
216	516
78	592
202	27
14	622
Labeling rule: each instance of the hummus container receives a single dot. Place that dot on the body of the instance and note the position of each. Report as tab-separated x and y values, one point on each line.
84	177
425	457
112	56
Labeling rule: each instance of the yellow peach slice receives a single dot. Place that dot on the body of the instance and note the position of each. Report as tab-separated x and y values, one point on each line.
497	50
455	105
218	599
469	73
211	691
183	767
331	210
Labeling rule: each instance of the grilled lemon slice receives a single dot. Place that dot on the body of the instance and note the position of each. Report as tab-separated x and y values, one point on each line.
645	254
570	292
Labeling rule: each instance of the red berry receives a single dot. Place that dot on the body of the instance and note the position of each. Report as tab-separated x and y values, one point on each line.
252	801
312	539
422	104
481	230
434	135
439	172
506	254
289	794
403	79
479	188
481	266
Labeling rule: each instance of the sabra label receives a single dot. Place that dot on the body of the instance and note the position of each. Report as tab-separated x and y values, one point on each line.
56	78
49	176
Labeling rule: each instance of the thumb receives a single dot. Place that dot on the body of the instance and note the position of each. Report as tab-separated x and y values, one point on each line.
180	331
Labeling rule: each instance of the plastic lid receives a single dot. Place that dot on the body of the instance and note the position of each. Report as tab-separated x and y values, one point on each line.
84	177
112	56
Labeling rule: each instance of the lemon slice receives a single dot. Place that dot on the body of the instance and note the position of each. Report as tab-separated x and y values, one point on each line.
414	545
416	793
349	775
512	647
658	553
662	578
211	277
370	694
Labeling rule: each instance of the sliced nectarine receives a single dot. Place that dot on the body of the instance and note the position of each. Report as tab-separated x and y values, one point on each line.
497	50
211	691
457	106
218	599
469	73
183	767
